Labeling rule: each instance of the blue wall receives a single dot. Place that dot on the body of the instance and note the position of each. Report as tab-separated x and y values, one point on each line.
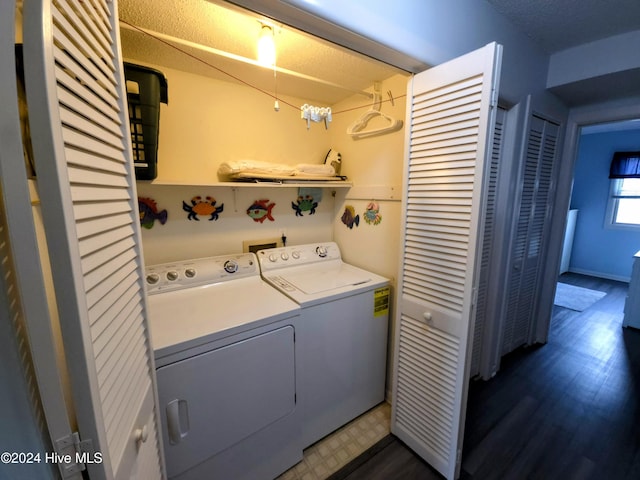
598	250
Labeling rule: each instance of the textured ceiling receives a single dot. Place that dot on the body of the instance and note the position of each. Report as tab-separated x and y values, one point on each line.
556	25
209	24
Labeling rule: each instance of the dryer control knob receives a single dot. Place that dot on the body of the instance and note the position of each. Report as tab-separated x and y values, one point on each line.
153	278
295	255
190	272
284	256
321	251
172	275
231	266
273	257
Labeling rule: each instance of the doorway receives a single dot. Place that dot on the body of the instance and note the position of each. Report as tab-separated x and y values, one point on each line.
579	118
600	247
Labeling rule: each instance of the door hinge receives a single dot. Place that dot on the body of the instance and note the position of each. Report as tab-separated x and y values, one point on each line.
73	454
494	98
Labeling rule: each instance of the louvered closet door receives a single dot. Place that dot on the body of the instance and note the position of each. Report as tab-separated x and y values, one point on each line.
85	176
451	118
481	347
532	223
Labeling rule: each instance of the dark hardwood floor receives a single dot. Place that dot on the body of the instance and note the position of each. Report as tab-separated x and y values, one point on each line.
569	409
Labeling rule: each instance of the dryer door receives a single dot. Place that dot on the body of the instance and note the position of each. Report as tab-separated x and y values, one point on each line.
212	401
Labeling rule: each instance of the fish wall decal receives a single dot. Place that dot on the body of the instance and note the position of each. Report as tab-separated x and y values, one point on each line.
349	217
149	213
260	210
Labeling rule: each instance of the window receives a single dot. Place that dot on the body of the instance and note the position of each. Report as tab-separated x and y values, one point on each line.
624	202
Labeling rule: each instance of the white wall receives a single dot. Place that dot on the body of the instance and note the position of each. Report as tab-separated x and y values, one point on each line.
207	122
181	239
595	59
375	166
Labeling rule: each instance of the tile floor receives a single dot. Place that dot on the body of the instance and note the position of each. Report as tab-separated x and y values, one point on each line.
339	448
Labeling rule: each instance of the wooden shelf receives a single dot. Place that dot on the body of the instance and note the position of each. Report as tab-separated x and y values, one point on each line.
265	184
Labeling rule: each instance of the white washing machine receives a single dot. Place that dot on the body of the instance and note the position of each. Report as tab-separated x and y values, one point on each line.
341	339
225	363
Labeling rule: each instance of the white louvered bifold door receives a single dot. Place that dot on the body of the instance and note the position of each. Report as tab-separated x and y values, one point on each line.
78	118
450	112
481	345
531	227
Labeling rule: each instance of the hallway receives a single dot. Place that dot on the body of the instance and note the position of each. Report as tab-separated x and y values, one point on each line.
566	410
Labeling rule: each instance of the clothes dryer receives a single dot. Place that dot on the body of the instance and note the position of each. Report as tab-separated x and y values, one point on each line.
225	362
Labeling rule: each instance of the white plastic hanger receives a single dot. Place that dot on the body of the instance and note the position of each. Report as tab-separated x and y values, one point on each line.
356	129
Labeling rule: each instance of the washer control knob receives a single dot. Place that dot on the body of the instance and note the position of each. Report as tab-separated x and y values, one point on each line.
321	251
295	254
231	266
284	256
153	278
273	257
190	272
172	275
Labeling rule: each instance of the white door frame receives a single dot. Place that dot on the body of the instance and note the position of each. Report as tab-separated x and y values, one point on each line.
626	109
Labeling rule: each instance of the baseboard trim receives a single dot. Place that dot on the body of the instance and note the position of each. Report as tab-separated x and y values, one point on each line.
607	276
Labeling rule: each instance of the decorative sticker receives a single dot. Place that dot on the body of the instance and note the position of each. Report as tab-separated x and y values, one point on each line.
260	210
372	214
381	301
304	204
149	213
202	207
349	217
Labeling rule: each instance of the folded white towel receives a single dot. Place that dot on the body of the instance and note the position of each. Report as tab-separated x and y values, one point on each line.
235	167
315	169
246	168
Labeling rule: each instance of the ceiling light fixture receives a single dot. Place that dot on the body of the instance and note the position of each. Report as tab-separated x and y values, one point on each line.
266	47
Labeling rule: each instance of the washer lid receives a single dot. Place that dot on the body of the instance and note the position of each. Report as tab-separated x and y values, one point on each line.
320	280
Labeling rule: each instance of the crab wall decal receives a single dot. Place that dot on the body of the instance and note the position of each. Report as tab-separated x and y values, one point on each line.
304	204
372	214
202	207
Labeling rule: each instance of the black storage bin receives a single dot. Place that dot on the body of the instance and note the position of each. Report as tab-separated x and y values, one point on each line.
146	88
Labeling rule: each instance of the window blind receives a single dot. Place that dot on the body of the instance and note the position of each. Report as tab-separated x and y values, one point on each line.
625	165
